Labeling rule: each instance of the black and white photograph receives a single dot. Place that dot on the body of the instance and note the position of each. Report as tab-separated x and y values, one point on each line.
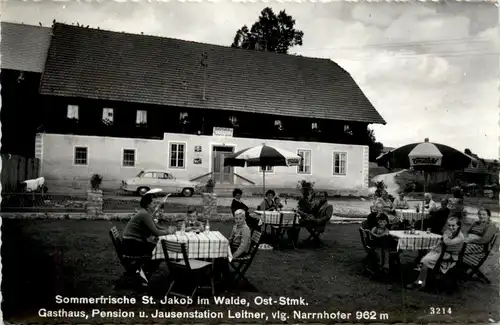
250	162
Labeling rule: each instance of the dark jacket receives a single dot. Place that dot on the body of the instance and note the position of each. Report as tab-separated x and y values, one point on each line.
437	220
371	221
237	205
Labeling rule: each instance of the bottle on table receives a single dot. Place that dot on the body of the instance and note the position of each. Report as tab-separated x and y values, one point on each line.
207	227
183	227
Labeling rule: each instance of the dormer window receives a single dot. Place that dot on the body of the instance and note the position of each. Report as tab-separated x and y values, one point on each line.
107	116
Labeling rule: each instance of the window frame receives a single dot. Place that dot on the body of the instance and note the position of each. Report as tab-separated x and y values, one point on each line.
344	153
310	160
137	114
184	158
112	119
77	111
123	157
271	171
86	156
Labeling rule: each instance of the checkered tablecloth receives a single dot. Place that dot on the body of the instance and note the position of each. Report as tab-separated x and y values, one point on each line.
419	240
199	246
273	217
411	214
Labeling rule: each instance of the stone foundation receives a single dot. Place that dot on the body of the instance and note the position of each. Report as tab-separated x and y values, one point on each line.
94	202
209	206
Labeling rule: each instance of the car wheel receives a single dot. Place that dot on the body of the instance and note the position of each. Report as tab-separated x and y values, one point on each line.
187	192
142	190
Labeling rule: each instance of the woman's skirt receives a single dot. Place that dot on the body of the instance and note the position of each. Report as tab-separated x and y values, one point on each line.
431	258
132	247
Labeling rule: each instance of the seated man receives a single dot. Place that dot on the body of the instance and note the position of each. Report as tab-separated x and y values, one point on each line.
430	205
316	222
371	220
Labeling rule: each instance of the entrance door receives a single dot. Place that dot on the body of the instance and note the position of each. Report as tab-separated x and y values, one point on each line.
222	175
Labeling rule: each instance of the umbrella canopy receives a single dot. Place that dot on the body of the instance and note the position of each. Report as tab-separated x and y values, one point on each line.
262	156
426	156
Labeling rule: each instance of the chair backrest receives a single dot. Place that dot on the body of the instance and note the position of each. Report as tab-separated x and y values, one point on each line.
489	246
117	242
177	248
365	238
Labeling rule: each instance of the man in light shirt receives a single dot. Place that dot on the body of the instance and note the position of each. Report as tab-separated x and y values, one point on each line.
430	205
400	202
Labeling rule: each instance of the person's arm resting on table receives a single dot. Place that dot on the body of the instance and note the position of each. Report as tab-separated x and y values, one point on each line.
245	243
148	221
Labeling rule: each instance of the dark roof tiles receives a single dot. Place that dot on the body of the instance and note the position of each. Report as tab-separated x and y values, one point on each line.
107	65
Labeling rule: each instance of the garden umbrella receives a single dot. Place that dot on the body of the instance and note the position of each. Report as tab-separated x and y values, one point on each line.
425	156
262	156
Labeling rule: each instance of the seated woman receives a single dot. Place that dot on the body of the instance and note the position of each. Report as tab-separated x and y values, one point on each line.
481	232
386	202
240	238
453	238
192	222
268	202
371	220
237	204
136	238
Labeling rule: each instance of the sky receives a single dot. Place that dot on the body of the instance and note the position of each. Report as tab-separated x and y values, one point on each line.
431	70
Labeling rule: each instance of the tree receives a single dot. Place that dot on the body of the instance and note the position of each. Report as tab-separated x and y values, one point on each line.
375	147
269	33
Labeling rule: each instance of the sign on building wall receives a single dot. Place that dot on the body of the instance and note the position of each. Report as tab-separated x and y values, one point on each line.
197	161
197	148
222	132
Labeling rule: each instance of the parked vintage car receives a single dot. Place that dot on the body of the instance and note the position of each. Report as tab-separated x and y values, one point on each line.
148	179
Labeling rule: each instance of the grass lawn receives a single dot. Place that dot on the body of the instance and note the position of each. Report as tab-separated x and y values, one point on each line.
76	259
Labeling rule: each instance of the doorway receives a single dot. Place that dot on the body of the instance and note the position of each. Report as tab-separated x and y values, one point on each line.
221	174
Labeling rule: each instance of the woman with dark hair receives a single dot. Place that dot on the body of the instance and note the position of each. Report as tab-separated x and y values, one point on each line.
453	238
236	205
136	238
482	231
268	204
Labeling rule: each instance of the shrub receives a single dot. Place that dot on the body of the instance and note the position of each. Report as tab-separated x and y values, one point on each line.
95	182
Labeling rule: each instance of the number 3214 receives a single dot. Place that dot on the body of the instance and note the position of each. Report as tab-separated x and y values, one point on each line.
439	311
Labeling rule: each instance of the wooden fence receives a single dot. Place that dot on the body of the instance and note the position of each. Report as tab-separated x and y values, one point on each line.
16	169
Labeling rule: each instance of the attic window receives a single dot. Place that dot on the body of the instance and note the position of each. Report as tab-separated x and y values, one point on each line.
314	126
347	129
141	117
72	112
278	124
233	120
108	115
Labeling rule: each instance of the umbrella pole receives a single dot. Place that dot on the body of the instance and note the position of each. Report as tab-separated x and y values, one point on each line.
264	182
423	202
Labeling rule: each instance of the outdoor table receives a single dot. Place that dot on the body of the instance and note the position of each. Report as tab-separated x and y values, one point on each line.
421	240
411	214
209	245
273	217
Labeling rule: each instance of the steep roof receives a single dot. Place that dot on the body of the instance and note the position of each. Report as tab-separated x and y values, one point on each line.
98	64
24	47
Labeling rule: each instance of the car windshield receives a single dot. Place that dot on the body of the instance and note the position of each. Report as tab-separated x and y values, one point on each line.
140	174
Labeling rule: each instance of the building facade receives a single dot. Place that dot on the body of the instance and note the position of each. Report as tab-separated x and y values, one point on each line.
116	103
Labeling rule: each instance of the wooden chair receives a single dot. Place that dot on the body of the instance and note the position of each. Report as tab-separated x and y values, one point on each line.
448	281
371	261
241	264
278	231
131	263
474	257
185	270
